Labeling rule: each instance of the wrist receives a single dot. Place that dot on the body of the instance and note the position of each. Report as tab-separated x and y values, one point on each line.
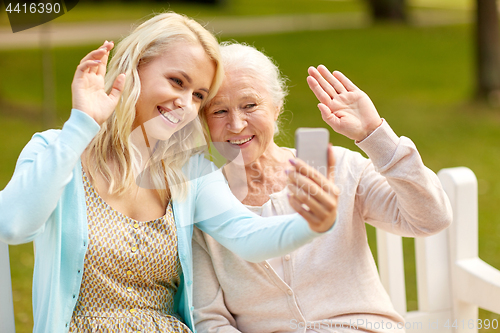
369	130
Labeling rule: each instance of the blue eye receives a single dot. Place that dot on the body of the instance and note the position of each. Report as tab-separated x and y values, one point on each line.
250	105
219	112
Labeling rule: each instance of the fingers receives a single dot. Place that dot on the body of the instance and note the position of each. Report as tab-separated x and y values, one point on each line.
302	171
332	80
331	163
97	54
313	184
318	91
327	86
108	46
86	66
345	81
307	202
319	218
330	84
329	117
333	83
303	210
101	54
117	88
312	195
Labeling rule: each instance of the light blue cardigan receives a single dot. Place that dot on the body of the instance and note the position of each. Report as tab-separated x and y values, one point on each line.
45	202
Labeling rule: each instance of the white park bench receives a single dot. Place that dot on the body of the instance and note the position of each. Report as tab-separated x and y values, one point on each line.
452	282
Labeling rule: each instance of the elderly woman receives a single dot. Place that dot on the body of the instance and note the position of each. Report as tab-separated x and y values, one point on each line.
331	284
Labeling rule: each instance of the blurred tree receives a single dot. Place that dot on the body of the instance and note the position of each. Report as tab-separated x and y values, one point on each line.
388	10
488	51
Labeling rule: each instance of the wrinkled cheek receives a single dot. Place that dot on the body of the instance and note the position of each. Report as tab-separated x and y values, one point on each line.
216	129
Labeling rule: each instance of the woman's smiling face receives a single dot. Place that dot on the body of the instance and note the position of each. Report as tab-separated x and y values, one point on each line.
242	114
173	86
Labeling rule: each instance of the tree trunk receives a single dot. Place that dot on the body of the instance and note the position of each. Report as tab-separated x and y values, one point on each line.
488	51
388	10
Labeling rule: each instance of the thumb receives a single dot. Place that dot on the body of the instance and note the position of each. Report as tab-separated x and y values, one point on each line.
329	117
117	89
331	163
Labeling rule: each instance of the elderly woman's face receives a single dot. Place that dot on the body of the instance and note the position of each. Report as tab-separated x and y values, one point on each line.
243	114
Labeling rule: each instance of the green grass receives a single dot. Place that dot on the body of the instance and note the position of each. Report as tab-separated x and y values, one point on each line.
420	79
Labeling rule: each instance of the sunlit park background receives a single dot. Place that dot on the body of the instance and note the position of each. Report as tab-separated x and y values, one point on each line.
421	77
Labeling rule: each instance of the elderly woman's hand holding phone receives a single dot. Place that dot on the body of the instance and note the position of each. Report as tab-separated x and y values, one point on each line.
313	195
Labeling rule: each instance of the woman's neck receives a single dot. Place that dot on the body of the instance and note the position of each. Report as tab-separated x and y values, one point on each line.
144	144
254	182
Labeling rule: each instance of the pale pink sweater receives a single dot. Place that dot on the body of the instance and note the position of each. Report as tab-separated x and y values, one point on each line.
331	284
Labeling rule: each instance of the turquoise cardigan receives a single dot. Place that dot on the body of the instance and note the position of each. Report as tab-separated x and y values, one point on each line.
45	202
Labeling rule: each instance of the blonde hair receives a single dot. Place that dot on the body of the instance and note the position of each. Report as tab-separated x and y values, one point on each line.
112	143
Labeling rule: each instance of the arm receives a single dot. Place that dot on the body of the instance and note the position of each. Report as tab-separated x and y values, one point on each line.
397	192
210	314
46	164
43	169
222	216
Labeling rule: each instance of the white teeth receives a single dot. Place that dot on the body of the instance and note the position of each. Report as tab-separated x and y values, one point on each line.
167	115
172	119
240	142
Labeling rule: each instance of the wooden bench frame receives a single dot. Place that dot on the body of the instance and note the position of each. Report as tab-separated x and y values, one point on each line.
452	281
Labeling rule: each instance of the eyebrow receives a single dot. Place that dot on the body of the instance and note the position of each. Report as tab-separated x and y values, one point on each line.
188	79
222	100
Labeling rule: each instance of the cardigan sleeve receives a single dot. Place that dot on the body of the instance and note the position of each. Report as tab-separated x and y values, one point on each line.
397	192
43	169
254	238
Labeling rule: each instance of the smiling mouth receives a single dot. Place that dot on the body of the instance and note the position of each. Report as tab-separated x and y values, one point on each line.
240	142
167	115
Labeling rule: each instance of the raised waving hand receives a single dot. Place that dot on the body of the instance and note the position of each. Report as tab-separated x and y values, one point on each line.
87	89
345	107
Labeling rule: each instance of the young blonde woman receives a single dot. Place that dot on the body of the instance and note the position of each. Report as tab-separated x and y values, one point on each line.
110	200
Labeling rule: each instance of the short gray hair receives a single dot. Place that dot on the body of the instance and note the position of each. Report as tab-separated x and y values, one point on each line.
236	56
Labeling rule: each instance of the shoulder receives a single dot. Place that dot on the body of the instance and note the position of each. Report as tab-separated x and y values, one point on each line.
292	150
